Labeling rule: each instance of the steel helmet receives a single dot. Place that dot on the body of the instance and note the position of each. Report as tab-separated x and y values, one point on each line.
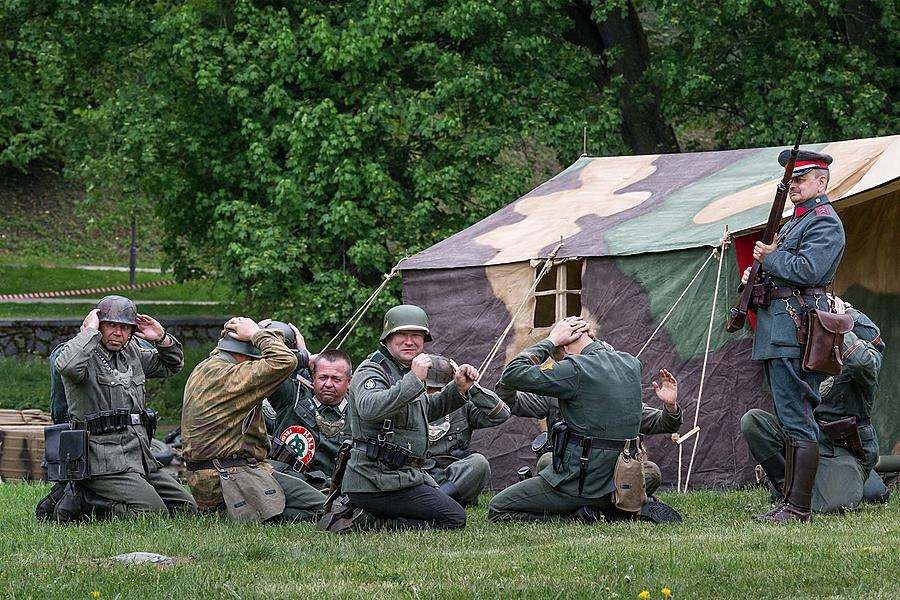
405	317
290	340
117	309
441	372
229	343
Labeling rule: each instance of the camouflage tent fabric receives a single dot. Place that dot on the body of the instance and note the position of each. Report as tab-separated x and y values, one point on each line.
636	230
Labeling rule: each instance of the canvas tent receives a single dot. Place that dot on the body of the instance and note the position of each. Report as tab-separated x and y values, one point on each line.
636	231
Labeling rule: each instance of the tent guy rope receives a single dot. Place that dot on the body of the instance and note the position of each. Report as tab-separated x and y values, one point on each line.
353	321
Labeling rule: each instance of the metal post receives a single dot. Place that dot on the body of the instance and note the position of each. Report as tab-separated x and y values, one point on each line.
132	267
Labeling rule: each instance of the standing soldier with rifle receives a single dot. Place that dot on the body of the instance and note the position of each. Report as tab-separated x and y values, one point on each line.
797	267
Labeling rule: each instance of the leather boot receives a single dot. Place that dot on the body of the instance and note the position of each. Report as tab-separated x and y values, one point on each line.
44	510
775	468
79	503
802	462
587	514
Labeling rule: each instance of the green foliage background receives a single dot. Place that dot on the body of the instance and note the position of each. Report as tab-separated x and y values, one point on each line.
297	151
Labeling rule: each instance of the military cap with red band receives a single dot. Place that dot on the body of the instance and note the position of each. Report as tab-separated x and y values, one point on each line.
807	160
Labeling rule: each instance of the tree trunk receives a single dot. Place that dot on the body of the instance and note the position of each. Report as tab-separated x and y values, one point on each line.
643	128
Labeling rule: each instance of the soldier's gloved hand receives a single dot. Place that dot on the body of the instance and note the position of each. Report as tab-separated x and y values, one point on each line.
567	331
465	378
149	329
242	328
92	320
420	365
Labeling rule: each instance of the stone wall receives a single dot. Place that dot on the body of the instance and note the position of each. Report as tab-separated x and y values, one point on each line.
40	336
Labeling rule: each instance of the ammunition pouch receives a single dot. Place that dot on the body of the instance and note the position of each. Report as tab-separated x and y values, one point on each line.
388	453
66	450
115	421
559	439
825	341
845	433
281	452
760	295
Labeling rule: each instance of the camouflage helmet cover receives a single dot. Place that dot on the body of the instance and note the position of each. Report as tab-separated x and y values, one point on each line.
229	343
441	372
405	317
117	309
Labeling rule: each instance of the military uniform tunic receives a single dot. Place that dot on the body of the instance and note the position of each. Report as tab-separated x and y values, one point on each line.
809	251
222	417
297	420
599	392
451	459
122	467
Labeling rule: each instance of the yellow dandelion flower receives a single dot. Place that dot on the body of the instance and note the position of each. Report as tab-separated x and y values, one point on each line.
867	549
666	592
644	594
95	594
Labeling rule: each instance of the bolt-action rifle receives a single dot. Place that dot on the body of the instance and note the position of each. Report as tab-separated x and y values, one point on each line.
738	314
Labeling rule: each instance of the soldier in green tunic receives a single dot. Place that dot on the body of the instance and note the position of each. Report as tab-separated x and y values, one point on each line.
103	370
800	264
311	418
389	415
599	392
845	475
461	472
653	420
223	430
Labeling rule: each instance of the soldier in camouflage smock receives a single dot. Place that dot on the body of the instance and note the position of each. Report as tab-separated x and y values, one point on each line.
103	370
460	472
845	475
222	426
802	262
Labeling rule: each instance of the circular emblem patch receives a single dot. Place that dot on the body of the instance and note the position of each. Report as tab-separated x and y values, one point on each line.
301	441
370	384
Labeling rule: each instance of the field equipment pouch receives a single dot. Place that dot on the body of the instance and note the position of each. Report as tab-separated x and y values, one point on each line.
66	450
281	452
845	434
631	492
251	493
760	295
825	340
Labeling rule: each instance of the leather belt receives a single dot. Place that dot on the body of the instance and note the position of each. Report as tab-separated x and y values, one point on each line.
779	293
202	465
371	448
608	444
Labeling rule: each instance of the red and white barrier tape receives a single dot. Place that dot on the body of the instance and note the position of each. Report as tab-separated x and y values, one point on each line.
84	292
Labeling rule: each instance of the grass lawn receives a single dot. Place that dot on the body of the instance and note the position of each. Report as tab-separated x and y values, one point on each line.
717	553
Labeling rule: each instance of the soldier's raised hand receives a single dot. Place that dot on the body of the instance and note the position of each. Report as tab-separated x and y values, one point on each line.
567	331
668	390
465	377
242	328
420	365
149	328
92	320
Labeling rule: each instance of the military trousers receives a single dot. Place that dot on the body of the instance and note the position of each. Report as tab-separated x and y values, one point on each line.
302	502
652	474
469	476
796	394
839	479
417	507
138	494
536	500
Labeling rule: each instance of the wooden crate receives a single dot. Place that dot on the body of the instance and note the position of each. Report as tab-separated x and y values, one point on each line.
21	451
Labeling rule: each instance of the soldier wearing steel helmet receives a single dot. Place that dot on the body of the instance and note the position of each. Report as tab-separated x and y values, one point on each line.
223	429
385	484
103	370
460	472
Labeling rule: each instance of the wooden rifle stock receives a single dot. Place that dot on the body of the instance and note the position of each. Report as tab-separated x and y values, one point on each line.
738	313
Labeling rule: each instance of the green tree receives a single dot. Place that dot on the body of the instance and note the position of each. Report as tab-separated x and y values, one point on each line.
743	73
